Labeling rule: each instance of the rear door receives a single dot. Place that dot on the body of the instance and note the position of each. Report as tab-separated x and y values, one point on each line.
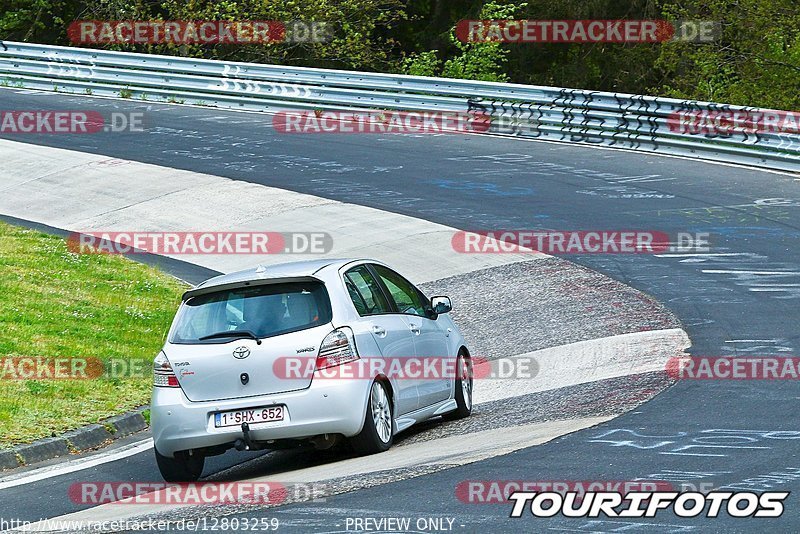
430	336
389	330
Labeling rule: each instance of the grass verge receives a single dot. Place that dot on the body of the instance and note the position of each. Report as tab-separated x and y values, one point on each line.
58	304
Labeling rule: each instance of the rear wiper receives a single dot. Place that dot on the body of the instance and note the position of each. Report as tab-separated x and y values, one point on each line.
232	333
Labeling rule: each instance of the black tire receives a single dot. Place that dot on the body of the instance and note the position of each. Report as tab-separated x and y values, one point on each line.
463	398
373	437
183	468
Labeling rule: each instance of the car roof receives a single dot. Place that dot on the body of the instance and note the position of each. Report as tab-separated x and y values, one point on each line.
295	269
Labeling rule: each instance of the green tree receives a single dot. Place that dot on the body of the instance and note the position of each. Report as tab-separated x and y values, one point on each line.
475	61
360	29
41	21
754	62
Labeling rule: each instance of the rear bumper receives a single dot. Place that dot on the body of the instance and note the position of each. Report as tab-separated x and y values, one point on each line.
328	406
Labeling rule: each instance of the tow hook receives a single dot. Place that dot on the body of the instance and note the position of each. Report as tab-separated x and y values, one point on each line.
244	443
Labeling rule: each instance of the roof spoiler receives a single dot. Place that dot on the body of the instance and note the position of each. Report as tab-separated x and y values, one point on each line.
205	290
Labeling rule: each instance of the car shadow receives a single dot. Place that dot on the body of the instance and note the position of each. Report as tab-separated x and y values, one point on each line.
274	462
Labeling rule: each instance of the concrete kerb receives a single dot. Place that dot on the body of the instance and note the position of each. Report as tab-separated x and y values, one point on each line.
80	440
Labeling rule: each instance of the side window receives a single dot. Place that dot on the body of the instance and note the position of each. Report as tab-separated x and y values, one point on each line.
365	292
407	297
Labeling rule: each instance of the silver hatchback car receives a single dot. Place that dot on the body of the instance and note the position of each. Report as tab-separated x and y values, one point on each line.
307	352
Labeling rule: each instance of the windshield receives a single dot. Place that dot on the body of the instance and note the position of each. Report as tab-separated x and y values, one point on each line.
263	311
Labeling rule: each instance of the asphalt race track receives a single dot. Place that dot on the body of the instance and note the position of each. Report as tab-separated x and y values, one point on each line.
741	297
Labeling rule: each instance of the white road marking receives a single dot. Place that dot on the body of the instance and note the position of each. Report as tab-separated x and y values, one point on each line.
589	361
769	289
753	341
765	273
702	254
76	465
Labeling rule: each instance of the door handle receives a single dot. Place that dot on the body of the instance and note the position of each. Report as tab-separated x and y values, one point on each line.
414	328
378	330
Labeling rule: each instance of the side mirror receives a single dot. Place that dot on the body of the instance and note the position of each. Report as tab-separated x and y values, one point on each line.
441	304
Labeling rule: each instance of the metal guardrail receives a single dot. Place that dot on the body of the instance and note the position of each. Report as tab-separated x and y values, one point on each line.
568	115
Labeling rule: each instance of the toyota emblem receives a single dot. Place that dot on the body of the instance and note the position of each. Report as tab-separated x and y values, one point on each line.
240	353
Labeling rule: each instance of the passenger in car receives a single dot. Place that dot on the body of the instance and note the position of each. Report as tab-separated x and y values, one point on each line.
264	315
302	310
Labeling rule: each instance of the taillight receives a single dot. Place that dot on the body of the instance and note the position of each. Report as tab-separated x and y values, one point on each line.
337	348
163	375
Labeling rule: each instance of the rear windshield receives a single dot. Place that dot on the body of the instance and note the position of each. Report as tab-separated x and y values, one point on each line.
265	310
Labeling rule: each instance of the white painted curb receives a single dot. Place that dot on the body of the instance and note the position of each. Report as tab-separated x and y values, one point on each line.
78	192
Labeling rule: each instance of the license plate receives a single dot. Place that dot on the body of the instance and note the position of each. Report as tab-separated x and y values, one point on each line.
250	416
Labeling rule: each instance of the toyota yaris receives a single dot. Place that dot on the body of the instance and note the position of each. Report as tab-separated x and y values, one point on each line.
308	352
